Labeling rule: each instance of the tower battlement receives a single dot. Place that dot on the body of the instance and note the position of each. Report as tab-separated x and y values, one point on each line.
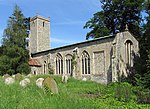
40	17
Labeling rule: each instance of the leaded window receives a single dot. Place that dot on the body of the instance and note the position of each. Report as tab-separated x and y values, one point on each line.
128	52
69	64
85	63
59	64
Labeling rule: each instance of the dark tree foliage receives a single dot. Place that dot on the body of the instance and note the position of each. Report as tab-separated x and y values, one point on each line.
14	58
147	75
97	25
145	49
146	35
114	16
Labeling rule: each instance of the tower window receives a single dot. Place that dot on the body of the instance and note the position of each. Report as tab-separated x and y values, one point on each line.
43	24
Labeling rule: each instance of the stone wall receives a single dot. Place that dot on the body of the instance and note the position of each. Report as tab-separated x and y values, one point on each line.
121	67
100	56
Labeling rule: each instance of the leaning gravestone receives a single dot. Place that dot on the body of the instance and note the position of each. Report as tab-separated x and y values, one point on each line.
50	84
18	76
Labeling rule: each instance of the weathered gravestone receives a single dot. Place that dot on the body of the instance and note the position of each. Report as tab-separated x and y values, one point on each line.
39	82
9	80
64	78
18	76
24	82
30	75
5	76
84	79
50	84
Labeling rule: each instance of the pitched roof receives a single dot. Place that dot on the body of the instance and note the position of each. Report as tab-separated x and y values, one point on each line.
34	62
84	42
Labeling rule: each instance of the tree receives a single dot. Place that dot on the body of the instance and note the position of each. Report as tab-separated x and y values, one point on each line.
147	75
146	35
145	48
114	16
145	39
15	55
97	25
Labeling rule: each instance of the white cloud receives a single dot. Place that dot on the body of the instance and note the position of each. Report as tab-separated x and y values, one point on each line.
62	41
56	42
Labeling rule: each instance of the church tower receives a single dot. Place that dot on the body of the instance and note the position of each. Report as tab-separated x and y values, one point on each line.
39	37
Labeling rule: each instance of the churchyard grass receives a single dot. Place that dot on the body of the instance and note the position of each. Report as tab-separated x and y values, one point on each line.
75	94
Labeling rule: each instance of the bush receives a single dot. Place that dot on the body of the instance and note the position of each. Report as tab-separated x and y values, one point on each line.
143	95
123	92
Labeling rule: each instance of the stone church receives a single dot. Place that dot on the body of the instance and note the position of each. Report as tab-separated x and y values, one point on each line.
102	60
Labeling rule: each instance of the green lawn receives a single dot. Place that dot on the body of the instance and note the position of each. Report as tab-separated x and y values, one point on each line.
73	95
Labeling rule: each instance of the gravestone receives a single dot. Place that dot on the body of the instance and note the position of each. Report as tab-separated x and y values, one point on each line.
50	84
5	76
64	78
18	76
30	75
39	82
84	79
9	80
13	76
24	82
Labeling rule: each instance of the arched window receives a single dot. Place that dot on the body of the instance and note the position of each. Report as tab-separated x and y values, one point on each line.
69	64
59	64
85	63
128	52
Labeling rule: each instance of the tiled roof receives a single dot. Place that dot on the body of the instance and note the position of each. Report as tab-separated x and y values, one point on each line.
34	62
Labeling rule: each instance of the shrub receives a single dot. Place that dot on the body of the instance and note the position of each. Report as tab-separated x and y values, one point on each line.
143	95
123	92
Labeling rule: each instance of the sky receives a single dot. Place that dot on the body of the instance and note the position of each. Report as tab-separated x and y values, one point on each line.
67	17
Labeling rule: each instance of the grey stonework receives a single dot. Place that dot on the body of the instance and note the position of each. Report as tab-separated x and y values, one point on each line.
102	60
39	34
